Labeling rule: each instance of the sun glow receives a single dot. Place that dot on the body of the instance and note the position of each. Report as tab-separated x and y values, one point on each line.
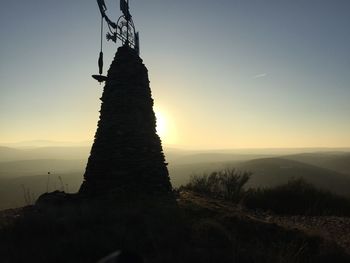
161	124
165	128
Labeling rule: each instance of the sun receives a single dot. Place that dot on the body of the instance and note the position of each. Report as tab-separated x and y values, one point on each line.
165	127
161	124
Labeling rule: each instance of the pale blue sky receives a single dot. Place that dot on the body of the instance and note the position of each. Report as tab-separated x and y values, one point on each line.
225	74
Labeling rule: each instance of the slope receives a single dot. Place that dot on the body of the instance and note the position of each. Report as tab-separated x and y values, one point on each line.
274	171
337	161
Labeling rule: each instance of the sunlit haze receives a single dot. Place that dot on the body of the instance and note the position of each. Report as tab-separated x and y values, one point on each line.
224	74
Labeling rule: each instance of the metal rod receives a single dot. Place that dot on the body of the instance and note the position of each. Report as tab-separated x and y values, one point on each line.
127	25
101	31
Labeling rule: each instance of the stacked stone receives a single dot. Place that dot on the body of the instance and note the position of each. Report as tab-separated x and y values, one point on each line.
127	154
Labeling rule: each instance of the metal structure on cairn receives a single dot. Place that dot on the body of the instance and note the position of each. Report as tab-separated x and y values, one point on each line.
123	29
126	157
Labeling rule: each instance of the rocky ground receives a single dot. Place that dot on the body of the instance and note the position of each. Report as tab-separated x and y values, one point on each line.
336	229
331	228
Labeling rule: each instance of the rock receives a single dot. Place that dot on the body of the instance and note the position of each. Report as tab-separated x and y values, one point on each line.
54	199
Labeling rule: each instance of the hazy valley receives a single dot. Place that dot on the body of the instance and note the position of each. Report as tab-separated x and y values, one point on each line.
24	171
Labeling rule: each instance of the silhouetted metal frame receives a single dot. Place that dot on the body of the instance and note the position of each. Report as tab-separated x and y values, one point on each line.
129	37
126	39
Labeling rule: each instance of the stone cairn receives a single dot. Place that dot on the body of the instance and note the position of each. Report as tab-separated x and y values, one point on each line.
127	154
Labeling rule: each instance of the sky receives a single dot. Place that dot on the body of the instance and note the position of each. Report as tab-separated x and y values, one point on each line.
224	74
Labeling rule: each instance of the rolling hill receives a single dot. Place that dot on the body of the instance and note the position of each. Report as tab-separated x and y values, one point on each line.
65	153
337	161
13	191
275	171
40	167
29	167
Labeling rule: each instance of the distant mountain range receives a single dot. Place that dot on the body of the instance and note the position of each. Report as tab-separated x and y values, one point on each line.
8	154
45	143
29	167
275	171
24	168
337	161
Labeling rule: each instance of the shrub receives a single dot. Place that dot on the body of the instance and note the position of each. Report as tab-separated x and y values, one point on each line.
227	184
297	197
